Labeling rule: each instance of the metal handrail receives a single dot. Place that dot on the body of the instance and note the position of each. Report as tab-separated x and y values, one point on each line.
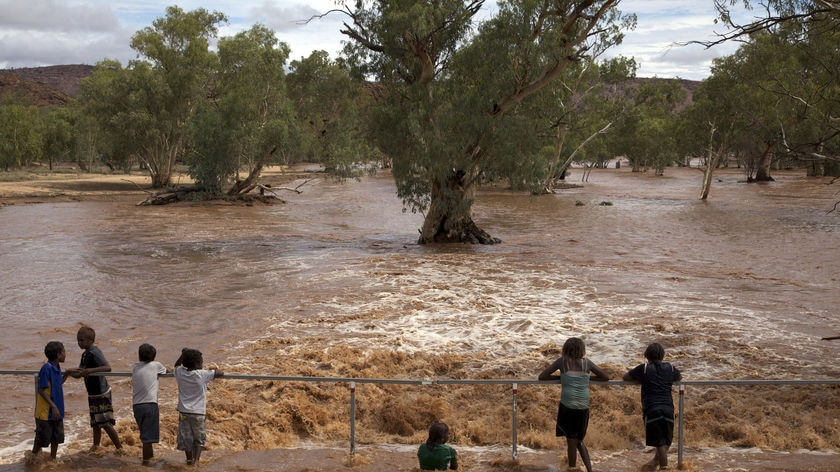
352	381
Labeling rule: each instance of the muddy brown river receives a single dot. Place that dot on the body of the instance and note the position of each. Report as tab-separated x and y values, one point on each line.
332	284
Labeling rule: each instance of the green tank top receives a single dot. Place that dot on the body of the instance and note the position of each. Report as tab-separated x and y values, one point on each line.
575	388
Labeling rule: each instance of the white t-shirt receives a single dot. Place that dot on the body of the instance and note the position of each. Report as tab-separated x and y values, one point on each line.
192	389
144	379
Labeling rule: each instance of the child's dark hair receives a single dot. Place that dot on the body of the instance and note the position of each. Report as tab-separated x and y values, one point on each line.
438	434
53	349
87	332
191	359
574	348
147	352
655	352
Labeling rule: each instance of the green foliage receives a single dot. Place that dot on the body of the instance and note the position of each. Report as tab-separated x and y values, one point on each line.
453	103
147	108
646	125
249	115
21	141
331	112
58	127
782	85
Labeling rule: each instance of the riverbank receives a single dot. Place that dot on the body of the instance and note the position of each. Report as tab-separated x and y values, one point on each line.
67	183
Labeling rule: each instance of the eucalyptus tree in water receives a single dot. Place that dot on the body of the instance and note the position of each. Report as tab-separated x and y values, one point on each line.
451	87
329	106
248	116
811	84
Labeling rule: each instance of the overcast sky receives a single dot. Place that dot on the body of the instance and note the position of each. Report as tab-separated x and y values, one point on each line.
55	32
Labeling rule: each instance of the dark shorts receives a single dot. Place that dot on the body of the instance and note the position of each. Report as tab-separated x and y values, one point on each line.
101	410
192	431
572	423
659	428
49	432
147	416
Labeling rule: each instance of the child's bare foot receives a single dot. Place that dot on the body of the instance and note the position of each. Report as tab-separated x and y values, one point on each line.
652	465
96	451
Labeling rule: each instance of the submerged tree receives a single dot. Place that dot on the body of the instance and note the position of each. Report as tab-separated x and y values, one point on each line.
330	111
146	109
247	116
806	33
449	92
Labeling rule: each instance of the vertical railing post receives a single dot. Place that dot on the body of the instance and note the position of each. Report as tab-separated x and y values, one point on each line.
352	418
514	422
680	430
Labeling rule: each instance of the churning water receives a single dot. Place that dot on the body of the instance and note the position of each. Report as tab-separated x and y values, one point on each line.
741	286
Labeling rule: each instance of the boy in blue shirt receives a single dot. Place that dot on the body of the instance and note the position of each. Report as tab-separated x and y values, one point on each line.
49	401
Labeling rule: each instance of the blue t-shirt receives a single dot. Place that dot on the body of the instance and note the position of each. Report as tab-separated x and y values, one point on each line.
50	377
657	379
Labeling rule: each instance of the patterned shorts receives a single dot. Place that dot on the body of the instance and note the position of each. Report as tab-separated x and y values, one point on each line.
191	431
101	410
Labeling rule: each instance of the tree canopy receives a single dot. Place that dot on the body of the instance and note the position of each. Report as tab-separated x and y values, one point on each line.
451	88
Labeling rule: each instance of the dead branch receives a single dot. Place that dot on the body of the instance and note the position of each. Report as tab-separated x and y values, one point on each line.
288	189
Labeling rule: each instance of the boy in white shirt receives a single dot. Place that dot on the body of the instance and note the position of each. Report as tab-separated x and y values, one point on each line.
144	380
192	402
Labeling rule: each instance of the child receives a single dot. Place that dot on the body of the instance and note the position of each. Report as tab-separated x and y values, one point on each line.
144	379
573	411
192	383
656	378
435	454
49	401
98	390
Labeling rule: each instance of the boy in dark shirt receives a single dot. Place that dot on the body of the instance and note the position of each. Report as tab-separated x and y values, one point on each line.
656	378
99	392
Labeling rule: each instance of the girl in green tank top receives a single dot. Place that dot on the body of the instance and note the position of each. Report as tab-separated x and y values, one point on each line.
573	412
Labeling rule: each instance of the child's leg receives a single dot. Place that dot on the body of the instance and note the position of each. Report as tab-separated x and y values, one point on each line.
584	455
197	453
571	451
97	436
112	434
53	450
662	456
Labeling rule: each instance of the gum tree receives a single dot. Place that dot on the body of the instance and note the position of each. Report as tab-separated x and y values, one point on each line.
247	117
450	89
146	108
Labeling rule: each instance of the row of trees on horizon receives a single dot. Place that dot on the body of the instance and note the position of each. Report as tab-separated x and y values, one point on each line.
445	101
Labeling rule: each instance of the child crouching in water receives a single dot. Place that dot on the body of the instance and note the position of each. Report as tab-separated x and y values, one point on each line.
435	454
192	383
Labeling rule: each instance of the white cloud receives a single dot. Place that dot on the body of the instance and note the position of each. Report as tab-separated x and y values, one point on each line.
48	32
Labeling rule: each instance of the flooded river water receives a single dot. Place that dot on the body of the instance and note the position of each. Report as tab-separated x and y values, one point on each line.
333	284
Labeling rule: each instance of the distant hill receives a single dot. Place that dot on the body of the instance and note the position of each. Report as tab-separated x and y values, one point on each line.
43	86
57	85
